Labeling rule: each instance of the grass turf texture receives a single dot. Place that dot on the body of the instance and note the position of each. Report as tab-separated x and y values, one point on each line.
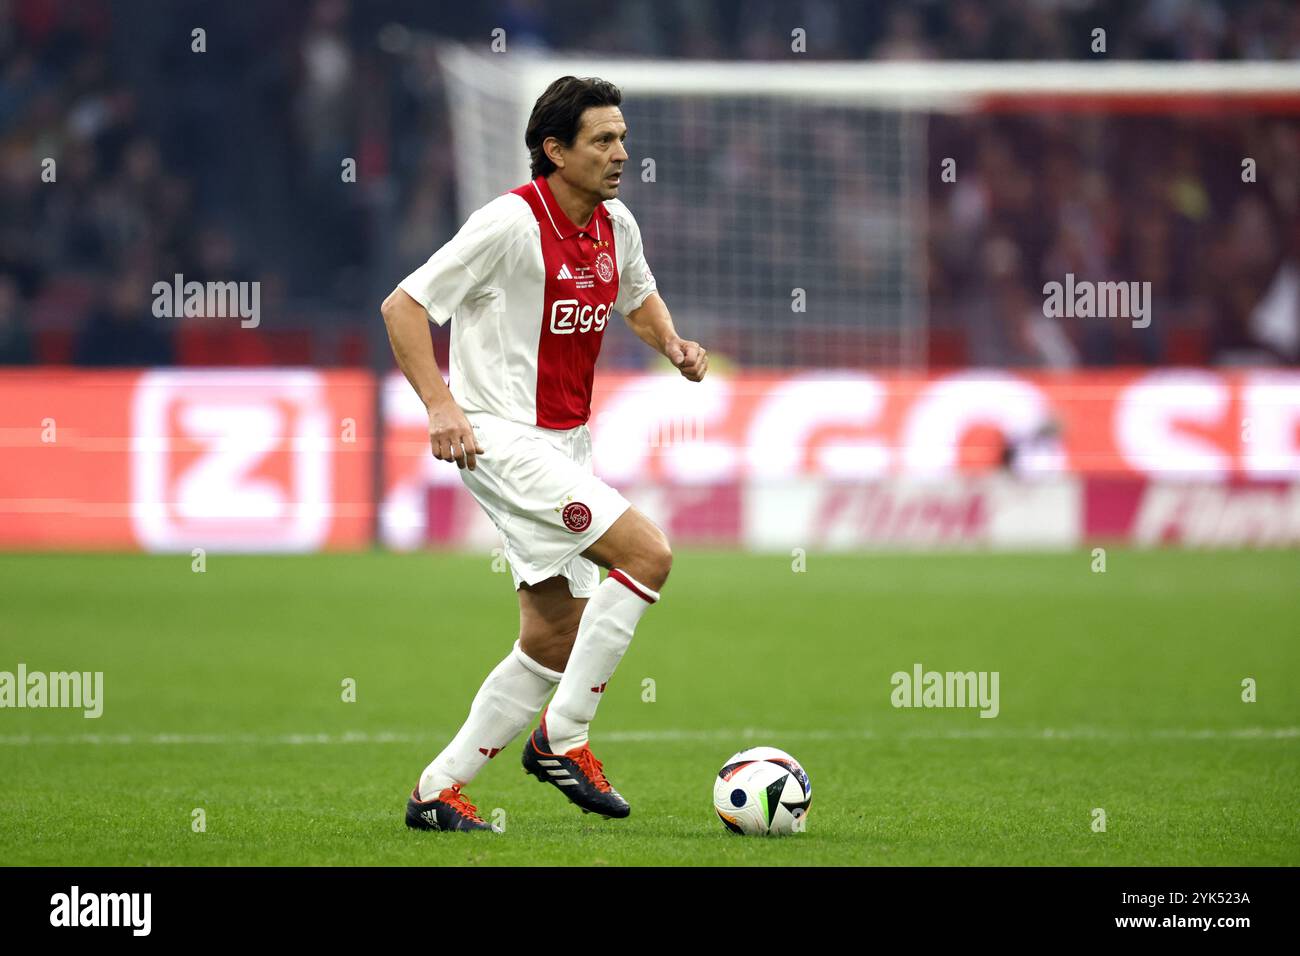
1135	672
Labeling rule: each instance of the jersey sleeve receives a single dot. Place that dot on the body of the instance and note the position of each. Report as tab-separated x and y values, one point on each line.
460	266
635	281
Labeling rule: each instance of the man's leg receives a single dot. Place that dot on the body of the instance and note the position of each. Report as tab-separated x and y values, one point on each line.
516	690
548	622
638	558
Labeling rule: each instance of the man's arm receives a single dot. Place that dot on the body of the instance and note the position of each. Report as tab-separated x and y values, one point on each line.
450	434
654	326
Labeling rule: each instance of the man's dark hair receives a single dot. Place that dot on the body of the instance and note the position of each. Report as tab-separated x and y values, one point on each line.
558	113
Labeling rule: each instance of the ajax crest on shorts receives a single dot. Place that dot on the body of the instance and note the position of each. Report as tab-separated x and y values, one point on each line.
575	515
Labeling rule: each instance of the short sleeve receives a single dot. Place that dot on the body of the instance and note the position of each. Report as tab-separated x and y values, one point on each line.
467	260
635	281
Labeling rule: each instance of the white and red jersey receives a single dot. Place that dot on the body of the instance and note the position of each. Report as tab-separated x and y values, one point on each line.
532	294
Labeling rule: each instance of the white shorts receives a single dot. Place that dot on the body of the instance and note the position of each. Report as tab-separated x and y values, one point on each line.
537	486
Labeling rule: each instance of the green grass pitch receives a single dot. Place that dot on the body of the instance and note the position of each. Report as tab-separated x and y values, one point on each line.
223	691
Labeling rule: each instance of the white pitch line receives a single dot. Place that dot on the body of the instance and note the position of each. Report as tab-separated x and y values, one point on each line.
748	734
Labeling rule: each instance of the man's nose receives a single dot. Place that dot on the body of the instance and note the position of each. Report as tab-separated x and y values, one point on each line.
620	154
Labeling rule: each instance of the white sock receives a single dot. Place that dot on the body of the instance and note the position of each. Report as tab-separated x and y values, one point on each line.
506	704
604	634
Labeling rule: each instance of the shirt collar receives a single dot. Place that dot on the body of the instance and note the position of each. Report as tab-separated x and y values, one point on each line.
564	228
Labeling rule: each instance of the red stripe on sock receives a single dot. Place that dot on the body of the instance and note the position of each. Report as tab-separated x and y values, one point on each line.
631	585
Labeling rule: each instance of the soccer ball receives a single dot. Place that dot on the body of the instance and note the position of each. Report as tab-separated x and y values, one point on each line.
762	792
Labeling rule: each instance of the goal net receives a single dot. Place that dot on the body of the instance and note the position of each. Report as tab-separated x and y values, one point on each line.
818	215
783	226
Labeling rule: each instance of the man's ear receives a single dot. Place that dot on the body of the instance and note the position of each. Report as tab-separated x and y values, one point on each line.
554	151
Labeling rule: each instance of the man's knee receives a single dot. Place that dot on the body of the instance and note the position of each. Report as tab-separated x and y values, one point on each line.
663	557
652	561
548	621
637	546
549	647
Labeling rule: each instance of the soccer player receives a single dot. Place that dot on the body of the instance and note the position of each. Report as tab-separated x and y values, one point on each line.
533	279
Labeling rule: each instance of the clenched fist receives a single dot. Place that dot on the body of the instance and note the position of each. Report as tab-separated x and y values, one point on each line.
691	358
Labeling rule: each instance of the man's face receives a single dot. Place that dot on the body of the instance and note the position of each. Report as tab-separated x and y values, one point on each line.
594	163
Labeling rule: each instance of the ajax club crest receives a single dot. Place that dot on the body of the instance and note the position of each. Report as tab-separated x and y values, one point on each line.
605	266
575	515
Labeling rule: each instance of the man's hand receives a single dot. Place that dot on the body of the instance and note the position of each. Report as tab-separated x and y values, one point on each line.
451	436
690	358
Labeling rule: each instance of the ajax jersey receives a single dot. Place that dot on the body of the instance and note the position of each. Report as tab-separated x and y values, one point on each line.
532	294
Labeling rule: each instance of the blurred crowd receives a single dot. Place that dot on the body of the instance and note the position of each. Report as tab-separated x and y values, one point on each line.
127	156
1205	209
912	29
133	150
